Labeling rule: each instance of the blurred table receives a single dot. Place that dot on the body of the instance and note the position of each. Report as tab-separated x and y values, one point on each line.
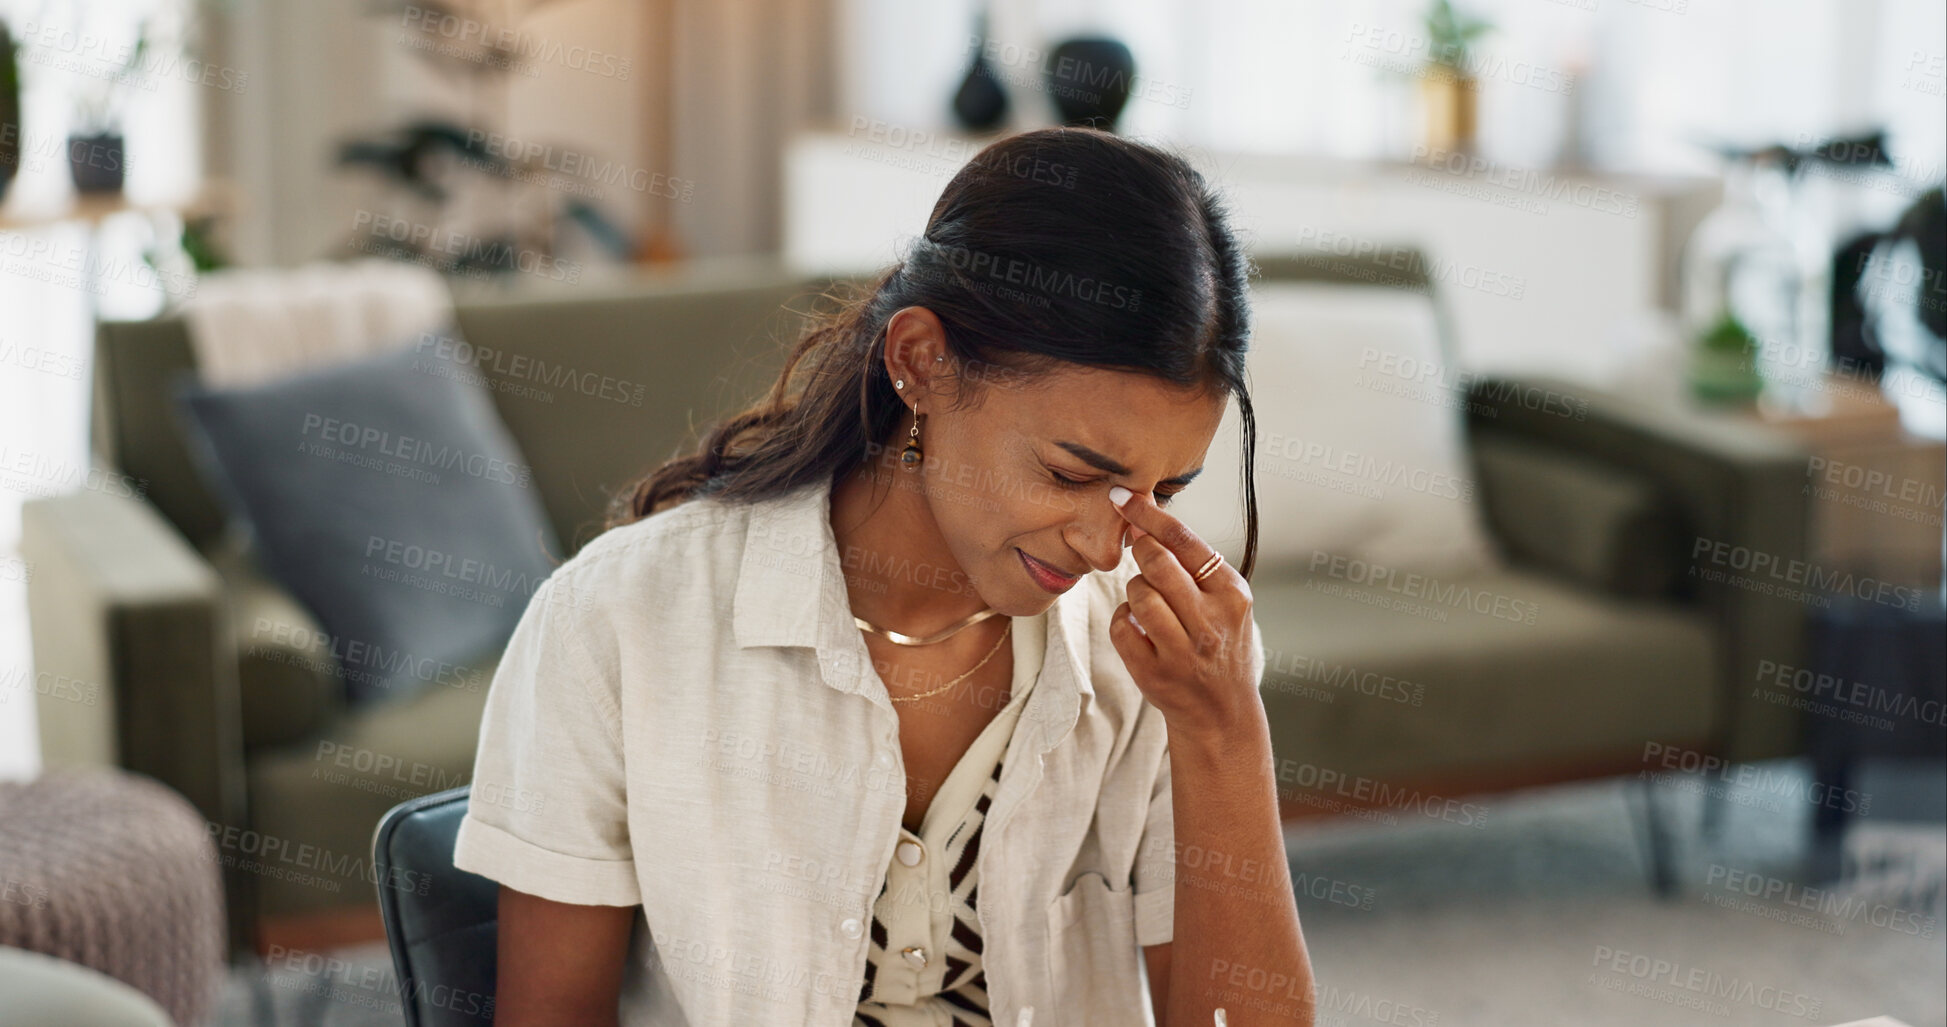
1874	674
214	197
1875	489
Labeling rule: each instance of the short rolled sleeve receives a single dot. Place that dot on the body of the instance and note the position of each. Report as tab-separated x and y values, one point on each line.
1153	878
548	811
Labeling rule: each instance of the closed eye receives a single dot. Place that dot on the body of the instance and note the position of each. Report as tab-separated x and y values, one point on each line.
1162	498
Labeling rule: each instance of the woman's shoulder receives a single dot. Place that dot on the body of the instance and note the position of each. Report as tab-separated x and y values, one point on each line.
683	548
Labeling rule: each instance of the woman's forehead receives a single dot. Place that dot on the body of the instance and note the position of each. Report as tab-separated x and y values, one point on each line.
1135	422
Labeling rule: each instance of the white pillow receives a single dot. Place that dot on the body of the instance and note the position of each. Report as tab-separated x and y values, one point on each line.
1361	450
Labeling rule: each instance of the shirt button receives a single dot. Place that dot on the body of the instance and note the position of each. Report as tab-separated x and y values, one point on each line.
883	760
852	928
909	853
915	956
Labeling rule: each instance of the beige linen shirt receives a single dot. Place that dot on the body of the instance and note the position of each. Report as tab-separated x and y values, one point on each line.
687	720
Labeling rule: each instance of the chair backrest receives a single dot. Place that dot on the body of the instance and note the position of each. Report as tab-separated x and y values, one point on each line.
442	922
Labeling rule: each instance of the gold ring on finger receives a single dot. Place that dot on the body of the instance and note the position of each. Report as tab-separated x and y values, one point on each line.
1209	567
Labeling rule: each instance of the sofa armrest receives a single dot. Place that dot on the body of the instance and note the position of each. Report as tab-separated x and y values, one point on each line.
1593	523
132	662
1738	488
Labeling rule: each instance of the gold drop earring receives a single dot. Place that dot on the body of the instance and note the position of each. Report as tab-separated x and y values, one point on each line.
910	457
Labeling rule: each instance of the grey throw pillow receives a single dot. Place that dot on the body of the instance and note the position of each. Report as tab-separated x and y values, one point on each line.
387	495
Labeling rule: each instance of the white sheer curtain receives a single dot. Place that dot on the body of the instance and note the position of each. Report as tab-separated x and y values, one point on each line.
46	320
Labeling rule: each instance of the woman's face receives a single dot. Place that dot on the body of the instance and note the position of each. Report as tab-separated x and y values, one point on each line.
1025	471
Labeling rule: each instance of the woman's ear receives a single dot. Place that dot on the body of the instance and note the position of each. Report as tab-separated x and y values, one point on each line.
915	342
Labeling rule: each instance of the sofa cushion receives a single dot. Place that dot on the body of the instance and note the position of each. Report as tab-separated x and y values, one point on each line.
386	495
1602	525
651	356
1400	679
1361	448
328	792
649	364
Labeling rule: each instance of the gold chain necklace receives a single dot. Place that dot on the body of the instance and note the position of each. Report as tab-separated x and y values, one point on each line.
963	677
939	636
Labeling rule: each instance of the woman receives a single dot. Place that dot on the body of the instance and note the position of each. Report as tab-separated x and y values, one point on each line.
838	725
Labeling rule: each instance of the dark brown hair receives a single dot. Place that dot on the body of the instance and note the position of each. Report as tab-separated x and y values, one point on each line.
1057	245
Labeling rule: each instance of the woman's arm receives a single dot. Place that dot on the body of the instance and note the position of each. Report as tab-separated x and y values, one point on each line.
1156	961
1236	928
1192	648
560	964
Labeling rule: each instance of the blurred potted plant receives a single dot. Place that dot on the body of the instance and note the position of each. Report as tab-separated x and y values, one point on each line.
1724	362
443	172
1742	293
1448	88
440	169
10	135
180	261
96	148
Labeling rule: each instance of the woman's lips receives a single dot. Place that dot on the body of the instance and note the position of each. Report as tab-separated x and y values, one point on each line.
1045	576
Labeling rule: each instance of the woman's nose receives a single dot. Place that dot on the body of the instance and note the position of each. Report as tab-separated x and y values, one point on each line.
1126	535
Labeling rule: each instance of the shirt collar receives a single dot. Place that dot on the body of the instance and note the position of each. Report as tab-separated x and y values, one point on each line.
791	592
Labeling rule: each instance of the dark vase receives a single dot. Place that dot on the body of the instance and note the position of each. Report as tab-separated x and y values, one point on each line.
10	136
1089	78
95	162
981	102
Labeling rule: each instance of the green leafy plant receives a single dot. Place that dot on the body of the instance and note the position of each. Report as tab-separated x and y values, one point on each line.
197	242
1450	34
1727	335
1723	365
440	166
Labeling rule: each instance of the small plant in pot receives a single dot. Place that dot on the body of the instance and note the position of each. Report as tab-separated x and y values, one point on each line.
1724	363
1447	84
97	156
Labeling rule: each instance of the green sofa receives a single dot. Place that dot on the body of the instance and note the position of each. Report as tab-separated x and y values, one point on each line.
1597	504
140	591
203	673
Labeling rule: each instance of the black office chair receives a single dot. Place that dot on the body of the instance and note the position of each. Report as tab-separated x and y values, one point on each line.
442	922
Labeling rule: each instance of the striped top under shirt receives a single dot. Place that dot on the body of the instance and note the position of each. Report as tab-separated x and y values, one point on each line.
931	904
